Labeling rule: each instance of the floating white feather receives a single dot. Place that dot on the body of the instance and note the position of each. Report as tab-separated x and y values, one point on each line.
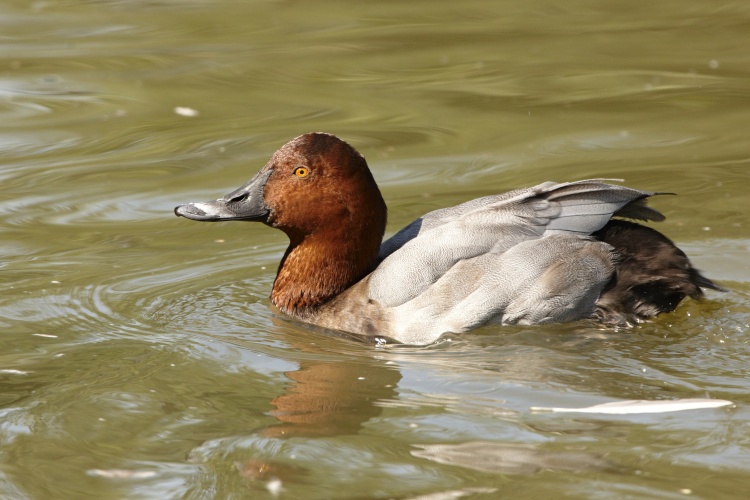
642	406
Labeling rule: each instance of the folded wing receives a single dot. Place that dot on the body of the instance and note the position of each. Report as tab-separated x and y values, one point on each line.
424	252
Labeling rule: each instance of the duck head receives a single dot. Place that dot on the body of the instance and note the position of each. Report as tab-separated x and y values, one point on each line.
320	192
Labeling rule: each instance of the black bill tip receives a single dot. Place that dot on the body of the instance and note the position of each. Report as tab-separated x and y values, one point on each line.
193	212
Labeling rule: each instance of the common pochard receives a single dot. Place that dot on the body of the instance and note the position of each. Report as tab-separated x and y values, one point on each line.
551	253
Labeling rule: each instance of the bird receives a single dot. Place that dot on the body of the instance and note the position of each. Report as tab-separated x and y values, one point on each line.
551	253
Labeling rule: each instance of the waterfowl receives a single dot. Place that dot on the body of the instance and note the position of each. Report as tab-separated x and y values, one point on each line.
552	253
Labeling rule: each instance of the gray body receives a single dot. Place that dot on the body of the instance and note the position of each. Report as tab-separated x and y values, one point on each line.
523	257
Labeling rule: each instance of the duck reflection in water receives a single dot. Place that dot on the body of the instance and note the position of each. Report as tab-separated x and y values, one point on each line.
338	397
323	399
332	398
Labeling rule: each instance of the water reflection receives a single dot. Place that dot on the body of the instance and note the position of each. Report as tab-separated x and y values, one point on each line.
329	398
510	458
332	398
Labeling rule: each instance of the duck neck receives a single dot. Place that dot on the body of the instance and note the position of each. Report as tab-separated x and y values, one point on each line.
319	266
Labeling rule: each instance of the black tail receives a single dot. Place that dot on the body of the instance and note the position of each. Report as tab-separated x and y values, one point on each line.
652	275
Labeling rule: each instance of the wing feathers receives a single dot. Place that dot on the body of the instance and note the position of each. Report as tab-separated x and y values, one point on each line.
494	224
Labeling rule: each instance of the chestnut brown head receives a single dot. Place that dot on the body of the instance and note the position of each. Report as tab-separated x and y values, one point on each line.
319	183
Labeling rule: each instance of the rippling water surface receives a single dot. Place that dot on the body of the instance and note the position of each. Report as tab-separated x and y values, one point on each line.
140	358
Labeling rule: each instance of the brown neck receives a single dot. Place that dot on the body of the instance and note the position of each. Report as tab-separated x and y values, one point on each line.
318	267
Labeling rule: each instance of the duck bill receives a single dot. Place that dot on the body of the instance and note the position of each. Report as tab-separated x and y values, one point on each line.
245	203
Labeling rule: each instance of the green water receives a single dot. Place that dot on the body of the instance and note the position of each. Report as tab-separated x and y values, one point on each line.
140	358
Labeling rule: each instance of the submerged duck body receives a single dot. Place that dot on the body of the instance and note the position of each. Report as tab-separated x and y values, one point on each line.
551	253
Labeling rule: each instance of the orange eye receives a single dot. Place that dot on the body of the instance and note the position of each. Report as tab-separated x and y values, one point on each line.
301	171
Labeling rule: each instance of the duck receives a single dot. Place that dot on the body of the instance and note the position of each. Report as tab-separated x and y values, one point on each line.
551	253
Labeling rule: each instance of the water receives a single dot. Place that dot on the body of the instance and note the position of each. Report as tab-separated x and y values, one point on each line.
140	358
